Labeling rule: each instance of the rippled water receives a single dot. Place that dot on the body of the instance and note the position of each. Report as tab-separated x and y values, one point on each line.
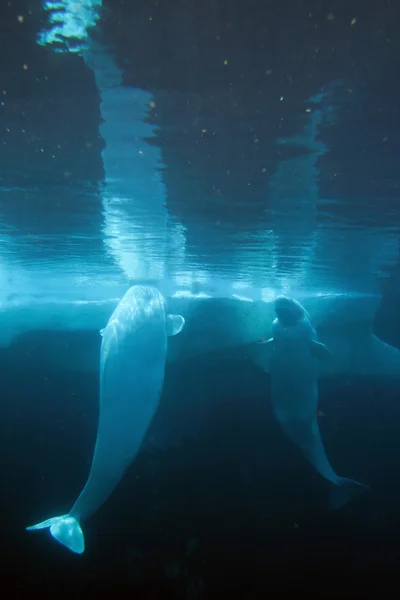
162	145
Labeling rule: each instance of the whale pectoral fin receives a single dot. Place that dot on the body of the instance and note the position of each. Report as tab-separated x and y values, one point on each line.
320	350
175	324
265	341
66	530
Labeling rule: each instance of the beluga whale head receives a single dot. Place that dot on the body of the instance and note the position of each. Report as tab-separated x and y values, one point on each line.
292	323
293	330
288	311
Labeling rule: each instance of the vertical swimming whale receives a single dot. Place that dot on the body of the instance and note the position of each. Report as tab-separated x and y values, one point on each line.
294	391
132	365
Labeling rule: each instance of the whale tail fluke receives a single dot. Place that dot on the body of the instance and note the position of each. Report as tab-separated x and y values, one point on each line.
344	490
66	530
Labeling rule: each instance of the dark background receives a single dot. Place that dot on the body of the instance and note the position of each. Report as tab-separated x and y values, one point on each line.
222	502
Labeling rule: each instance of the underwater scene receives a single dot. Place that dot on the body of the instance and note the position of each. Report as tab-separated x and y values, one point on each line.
199	298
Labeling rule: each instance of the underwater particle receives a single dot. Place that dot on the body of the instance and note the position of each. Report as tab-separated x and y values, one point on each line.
25	67
308	110
353	21
330	16
225	62
20	19
152	104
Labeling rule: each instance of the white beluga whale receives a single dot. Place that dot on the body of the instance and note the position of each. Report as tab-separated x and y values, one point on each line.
345	324
294	391
132	365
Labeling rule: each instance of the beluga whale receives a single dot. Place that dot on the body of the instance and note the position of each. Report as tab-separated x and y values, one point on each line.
132	364
295	351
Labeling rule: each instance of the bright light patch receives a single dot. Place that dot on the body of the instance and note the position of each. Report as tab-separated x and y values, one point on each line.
242	298
240	285
69	22
186	294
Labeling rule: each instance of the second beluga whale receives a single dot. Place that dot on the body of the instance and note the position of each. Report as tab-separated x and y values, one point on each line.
294	391
132	365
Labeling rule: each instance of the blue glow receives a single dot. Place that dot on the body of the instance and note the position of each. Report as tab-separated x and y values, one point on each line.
69	22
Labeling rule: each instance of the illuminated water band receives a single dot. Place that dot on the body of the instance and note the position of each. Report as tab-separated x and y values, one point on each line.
69	23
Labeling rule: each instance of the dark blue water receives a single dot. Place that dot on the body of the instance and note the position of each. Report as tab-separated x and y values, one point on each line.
220	501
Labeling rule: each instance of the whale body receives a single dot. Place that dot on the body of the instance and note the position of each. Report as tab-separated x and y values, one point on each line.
132	364
294	391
